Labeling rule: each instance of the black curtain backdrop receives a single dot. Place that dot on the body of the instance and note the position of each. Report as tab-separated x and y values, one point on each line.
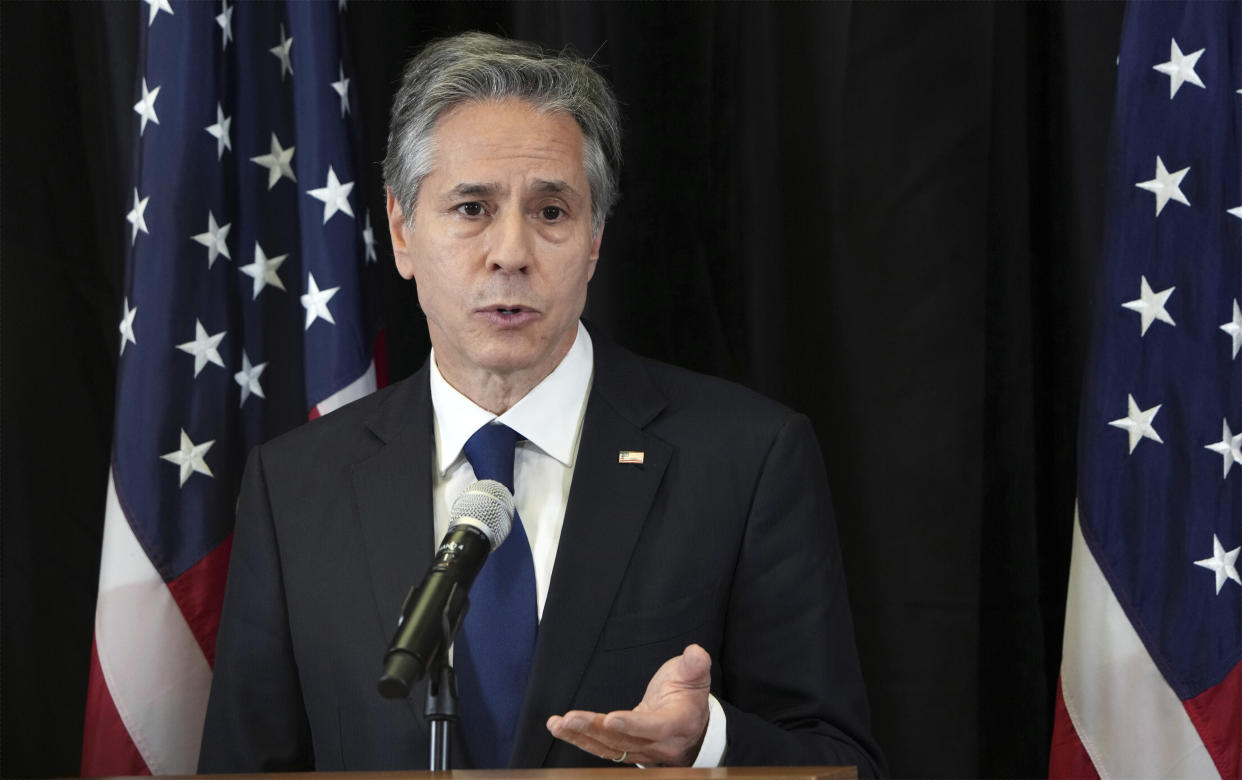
883	214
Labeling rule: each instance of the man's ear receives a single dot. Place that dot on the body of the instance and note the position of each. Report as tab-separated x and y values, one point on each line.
396	232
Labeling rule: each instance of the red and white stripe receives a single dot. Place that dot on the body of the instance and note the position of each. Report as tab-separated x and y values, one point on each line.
155	645
1116	715
362	386
150	675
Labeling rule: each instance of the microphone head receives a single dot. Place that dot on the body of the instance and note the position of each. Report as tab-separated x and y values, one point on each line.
488	506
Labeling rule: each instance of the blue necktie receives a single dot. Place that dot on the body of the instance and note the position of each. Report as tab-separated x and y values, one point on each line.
493	650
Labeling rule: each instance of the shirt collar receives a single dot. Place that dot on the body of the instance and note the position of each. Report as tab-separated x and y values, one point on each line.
549	416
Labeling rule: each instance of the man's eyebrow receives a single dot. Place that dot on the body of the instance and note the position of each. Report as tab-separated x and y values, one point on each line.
469	189
554	186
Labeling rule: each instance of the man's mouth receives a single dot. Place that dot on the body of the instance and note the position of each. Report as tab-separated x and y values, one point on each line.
509	316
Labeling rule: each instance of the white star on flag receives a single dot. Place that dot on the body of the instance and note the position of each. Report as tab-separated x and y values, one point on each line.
1229	446
315	301
335	196
1234	328
225	20
342	88
190	457
145	108
1138	423
281	52
277	162
1223	563
203	347
1180	68
156	7
1150	306
263	270
1237	212
1166	186
248	378
368	238
127	325
135	217
214	239
220	132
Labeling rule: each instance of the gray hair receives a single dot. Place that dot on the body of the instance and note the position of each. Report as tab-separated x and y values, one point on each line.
475	67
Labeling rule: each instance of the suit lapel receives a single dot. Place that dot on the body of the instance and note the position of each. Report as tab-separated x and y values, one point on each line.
608	504
393	493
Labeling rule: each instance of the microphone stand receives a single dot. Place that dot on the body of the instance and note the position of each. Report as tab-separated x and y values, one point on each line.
441	711
441	706
403	667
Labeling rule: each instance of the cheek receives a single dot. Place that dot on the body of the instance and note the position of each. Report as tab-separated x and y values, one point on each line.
583	272
573	287
429	285
432	265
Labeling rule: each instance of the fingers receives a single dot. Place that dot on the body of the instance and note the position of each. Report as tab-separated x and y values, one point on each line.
670	736
586	731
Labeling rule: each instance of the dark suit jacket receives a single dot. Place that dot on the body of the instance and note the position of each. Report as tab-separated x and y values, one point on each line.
723	536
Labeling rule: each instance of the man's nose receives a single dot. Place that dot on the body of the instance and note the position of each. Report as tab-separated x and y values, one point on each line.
512	243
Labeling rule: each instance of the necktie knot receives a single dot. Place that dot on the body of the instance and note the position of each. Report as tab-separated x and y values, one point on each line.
490	453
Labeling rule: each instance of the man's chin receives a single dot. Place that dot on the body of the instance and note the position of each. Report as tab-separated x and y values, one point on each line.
512	353
519	354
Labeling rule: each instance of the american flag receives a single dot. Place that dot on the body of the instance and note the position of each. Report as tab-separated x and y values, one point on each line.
1151	684
247	309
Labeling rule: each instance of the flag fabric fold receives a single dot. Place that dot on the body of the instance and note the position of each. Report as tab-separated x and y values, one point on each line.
1151	684
248	308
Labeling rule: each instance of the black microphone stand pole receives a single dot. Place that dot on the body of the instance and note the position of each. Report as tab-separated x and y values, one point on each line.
441	708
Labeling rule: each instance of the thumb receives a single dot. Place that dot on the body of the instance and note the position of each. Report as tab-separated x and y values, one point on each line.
696	666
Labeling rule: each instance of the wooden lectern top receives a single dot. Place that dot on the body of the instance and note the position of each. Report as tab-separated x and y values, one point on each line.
606	773
623	773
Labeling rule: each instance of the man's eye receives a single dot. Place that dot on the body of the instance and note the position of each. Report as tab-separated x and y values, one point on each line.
472	209
551	213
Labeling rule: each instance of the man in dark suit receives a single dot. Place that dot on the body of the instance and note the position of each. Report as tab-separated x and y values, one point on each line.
675	554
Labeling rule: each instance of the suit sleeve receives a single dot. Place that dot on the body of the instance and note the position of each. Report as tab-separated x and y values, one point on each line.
255	715
791	686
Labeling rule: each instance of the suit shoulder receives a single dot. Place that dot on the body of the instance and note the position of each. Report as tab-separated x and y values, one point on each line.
709	395
335	432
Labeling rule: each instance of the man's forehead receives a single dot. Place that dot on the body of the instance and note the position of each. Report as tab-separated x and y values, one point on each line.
483	146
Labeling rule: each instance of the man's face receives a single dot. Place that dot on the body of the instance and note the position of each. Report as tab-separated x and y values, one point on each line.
500	245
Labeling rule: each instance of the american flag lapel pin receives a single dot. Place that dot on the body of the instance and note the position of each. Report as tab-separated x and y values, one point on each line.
629	456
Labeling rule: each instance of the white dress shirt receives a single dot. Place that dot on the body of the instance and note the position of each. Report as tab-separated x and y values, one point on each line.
548	421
